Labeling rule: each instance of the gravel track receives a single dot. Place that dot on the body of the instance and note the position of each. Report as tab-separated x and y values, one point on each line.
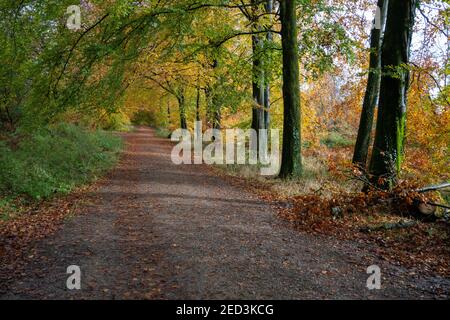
161	231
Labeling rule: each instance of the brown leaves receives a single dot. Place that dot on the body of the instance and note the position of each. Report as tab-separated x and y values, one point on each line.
344	215
36	221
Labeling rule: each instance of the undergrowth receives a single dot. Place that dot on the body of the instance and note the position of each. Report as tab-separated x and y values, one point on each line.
53	160
162	132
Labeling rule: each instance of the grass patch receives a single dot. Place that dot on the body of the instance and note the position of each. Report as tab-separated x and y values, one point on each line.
55	160
316	178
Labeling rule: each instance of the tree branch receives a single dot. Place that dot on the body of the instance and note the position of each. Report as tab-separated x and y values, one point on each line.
75	45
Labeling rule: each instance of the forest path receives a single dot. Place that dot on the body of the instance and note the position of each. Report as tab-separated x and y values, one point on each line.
157	230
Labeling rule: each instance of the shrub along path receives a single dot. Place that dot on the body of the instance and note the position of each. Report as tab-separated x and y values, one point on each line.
157	230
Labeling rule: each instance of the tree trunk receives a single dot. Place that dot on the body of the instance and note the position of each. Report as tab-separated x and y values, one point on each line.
388	151
269	37
291	162
197	104
258	73
267	106
213	112
372	90
217	118
258	90
213	107
168	111
182	108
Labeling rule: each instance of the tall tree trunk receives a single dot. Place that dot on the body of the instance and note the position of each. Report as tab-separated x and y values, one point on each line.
168	111
213	108
213	112
267	106
388	151
291	162
209	106
258	72
197	103
182	108
258	88
217	116
372	90
269	38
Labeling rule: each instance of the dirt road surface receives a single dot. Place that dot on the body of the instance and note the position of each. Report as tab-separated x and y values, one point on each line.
162	231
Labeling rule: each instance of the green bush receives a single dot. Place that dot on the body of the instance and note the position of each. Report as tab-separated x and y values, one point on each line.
56	160
117	122
163	132
336	140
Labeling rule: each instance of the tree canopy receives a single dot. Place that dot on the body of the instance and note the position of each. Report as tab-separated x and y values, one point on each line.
221	61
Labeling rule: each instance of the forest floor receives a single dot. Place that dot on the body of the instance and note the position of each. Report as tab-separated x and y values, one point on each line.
154	230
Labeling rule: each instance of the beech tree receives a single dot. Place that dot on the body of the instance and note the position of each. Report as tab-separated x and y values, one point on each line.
388	147
269	39
373	87
258	72
291	162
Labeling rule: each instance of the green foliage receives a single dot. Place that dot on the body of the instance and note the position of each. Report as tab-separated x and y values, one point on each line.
117	122
6	207
50	74
322	40
143	117
163	132
336	140
55	160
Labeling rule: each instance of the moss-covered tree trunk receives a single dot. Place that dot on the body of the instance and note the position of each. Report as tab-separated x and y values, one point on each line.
388	151
372	89
291	163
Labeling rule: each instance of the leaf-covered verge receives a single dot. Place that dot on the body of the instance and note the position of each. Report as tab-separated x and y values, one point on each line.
52	160
34	221
44	178
380	221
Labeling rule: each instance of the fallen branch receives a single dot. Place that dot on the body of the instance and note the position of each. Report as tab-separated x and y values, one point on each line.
434	188
389	226
438	205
